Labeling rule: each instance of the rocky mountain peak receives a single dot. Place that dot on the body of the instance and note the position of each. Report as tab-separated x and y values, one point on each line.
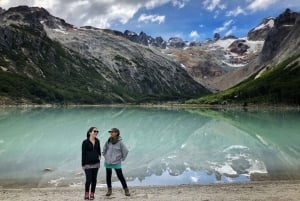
277	36
288	17
176	42
25	10
2	10
216	36
32	16
260	32
145	39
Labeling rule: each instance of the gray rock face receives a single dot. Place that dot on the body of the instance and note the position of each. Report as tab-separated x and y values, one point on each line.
261	31
279	36
144	70
216	36
176	42
122	70
238	47
2	10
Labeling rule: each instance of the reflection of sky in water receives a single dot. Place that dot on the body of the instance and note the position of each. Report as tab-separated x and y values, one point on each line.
188	177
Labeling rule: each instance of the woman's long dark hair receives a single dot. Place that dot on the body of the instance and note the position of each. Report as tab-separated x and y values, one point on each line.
88	132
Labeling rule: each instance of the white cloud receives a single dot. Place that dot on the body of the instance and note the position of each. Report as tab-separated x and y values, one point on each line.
229	32
194	35
48	3
155	3
260	4
224	27
236	12
213	4
151	18
8	3
39	3
179	3
150	4
98	13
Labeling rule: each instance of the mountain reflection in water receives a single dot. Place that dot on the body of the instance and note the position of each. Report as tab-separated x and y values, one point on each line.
167	146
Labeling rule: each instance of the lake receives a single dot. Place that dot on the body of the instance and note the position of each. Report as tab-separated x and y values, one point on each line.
167	146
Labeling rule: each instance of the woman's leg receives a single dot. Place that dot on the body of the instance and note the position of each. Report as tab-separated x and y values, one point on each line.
94	179
88	179
108	177
121	177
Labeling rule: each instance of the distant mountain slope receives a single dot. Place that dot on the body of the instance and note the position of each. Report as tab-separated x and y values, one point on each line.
280	84
275	76
207	61
44	60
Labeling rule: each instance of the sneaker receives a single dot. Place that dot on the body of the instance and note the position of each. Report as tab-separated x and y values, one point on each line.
92	196
86	196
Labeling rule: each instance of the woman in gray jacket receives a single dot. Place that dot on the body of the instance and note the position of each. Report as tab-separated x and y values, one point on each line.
114	151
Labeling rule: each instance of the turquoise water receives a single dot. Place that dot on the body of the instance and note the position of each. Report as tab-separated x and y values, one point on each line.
167	146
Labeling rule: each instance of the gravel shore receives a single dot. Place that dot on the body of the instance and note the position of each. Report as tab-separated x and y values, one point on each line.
263	190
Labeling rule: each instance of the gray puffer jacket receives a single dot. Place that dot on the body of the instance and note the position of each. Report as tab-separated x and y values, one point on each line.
114	153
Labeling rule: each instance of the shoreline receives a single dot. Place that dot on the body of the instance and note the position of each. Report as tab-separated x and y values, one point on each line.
162	105
276	190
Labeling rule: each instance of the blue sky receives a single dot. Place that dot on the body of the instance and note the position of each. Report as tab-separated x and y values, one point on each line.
189	19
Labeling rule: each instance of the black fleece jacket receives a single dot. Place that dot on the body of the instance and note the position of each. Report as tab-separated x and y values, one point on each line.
90	152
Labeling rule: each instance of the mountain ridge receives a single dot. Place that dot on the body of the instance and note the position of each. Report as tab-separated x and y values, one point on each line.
274	76
34	45
47	50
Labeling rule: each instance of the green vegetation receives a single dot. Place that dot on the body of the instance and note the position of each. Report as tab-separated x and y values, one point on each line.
277	85
20	88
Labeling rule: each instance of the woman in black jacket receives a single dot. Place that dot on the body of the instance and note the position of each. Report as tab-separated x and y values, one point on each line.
91	155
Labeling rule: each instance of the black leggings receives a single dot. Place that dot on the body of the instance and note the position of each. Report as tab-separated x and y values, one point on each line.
91	179
119	175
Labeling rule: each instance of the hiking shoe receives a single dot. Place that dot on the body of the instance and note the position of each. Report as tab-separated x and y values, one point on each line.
109	191
92	196
126	191
86	196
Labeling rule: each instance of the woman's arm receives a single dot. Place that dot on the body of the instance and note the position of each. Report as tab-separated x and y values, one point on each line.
124	151
99	150
83	153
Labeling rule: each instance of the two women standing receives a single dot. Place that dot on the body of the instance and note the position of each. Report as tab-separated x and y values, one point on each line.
114	152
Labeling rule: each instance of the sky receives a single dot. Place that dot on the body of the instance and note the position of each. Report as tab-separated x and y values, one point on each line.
191	20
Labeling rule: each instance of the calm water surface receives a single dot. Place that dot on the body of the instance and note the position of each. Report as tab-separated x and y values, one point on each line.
167	146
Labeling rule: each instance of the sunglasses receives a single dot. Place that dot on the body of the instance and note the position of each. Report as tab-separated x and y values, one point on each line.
96	131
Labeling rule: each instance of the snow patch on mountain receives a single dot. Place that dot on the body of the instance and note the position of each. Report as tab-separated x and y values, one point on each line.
268	24
233	59
222	43
60	29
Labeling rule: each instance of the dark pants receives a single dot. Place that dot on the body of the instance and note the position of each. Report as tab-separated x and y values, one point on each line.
119	175
91	179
